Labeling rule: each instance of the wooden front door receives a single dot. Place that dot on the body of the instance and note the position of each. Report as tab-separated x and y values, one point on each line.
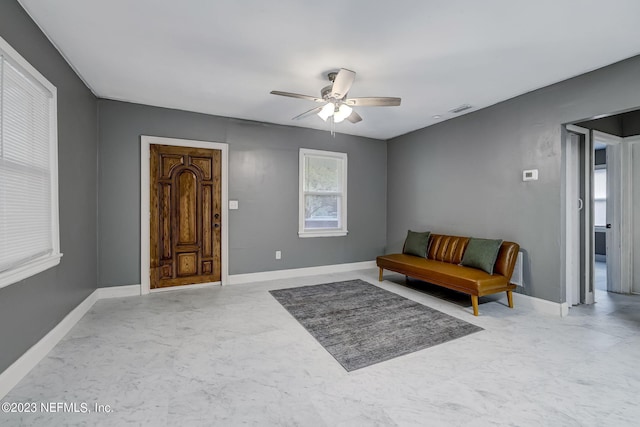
185	215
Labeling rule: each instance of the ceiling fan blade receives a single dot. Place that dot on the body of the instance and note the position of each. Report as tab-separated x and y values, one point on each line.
373	102
297	95
308	113
342	83
354	117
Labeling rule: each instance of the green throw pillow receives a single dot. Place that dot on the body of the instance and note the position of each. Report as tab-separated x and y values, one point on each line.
482	254
416	243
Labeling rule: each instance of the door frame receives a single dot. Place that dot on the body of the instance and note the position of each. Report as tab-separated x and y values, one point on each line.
145	214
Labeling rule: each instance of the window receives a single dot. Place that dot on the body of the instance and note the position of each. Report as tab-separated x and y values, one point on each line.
600	197
323	193
29	240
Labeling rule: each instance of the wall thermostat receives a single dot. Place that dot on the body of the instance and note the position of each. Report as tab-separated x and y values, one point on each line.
530	175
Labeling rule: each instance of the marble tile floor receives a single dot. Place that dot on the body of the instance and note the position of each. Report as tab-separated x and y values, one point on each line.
600	276
230	356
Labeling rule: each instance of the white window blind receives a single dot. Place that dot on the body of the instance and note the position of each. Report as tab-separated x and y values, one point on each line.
28	170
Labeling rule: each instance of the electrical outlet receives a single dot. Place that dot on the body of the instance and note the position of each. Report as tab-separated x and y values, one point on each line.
278	254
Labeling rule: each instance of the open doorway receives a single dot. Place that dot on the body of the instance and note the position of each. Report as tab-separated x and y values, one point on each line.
600	223
610	165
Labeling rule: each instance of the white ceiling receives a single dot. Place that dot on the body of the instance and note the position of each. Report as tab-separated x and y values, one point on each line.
223	57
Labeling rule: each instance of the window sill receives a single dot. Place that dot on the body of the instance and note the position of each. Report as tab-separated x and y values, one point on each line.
29	269
332	233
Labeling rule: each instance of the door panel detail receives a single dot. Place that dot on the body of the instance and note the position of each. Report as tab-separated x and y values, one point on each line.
187	215
204	165
169	162
206	225
187	264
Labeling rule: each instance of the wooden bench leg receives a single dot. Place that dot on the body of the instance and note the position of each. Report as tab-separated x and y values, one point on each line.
380	275
510	298
474	302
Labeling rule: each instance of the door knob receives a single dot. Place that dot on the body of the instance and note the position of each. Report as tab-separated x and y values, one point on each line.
608	225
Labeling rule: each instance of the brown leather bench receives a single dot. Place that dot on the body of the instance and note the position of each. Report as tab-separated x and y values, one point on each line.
441	267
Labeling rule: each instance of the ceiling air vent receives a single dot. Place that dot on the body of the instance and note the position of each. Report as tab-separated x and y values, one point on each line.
461	108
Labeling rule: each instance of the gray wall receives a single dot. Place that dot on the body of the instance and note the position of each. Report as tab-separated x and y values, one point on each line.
31	308
263	177
464	176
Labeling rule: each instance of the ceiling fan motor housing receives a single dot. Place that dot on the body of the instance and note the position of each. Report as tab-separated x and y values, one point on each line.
325	92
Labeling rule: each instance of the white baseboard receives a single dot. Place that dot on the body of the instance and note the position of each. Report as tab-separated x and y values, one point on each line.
118	291
21	367
540	305
235	279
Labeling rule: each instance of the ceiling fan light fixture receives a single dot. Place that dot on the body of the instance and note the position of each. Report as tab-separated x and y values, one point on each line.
326	111
334	102
342	113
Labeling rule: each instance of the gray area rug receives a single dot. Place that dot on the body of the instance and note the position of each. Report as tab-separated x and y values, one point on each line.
361	324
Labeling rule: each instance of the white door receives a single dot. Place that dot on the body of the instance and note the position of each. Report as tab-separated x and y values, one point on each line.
619	211
579	236
573	202
613	223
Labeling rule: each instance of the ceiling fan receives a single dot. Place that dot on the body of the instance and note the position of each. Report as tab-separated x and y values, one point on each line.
334	97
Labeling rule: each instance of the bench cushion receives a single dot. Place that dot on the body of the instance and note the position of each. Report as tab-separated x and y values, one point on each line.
465	279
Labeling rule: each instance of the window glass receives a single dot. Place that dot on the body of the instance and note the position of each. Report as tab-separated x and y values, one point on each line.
323	193
600	197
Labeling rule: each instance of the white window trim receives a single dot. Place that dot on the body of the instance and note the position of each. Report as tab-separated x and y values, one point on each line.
333	232
52	259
